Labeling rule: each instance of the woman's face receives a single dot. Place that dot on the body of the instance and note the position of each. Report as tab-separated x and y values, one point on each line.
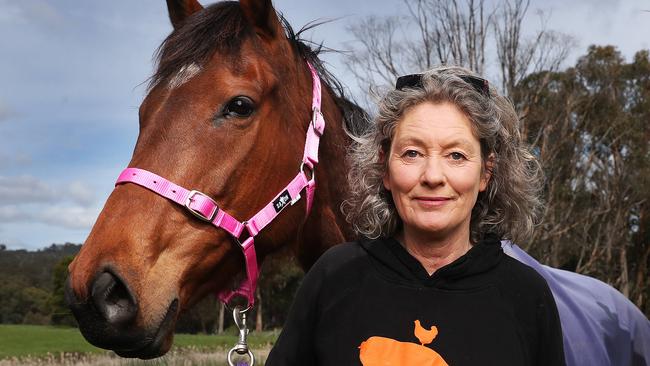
434	170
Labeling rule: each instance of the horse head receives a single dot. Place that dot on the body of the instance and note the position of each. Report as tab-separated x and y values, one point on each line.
226	114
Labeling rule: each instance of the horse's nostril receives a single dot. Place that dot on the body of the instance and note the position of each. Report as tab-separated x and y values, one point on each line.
113	300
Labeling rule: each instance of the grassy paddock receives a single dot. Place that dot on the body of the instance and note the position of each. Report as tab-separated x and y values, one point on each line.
33	340
32	345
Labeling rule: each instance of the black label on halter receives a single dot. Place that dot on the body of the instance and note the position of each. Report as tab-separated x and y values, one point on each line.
281	201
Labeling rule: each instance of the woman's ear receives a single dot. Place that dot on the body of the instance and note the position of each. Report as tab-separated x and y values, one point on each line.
490	163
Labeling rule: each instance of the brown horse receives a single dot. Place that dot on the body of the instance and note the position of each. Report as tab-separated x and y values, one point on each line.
226	114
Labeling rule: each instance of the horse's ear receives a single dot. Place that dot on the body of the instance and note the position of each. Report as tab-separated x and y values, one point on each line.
179	10
262	16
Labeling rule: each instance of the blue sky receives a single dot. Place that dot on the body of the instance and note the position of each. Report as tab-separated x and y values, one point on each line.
71	81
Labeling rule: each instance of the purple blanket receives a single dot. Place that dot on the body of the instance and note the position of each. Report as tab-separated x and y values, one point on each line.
600	325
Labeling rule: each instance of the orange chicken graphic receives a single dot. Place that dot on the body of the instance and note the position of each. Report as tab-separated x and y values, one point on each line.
423	335
381	351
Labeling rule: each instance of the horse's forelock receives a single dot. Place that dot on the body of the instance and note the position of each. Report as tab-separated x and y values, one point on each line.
219	27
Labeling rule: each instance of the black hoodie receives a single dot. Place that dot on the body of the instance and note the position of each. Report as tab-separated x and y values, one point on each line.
487	309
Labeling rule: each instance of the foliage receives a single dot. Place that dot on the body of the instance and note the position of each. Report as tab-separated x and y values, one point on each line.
20	303
59	312
280	277
589	125
26	283
34	268
202	318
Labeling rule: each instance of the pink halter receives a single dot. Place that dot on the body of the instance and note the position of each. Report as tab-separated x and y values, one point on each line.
206	209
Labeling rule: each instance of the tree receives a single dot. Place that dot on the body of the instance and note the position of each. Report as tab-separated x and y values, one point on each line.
59	312
453	32
33	301
519	57
202	319
26	283
589	126
279	280
21	303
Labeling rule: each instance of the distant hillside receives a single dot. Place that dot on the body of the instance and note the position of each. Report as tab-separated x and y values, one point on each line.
29	293
34	268
32	291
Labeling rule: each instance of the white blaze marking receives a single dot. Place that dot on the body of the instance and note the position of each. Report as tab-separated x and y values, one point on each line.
183	75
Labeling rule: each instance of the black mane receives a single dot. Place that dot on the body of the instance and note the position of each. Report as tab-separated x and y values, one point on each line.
222	27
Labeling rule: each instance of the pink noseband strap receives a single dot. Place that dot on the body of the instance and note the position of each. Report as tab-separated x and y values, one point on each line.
206	209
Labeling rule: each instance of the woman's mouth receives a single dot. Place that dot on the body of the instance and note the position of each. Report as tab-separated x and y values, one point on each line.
433	201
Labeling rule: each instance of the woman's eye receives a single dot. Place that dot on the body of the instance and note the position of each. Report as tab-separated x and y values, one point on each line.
457	156
410	154
240	107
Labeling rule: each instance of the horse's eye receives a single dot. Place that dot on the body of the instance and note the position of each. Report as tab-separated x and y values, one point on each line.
240	107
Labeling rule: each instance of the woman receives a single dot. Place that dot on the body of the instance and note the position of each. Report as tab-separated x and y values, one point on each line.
441	178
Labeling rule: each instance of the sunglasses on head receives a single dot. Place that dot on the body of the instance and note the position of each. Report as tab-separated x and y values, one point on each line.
415	81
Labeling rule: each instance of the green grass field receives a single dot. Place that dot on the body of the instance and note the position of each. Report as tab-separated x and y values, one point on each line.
32	340
39	341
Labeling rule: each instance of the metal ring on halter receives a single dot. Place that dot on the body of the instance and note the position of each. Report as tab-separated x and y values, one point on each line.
234	308
312	173
249	353
239	316
241	347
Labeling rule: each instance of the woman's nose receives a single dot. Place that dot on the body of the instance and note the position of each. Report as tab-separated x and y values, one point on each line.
433	173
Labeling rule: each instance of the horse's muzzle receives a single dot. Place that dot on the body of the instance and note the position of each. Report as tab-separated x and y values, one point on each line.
107	319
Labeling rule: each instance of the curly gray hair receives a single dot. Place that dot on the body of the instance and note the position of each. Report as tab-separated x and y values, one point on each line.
510	205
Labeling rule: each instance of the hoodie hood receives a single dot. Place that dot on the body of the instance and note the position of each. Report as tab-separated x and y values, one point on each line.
393	261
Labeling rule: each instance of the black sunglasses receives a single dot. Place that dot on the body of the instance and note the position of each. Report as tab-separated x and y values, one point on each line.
415	81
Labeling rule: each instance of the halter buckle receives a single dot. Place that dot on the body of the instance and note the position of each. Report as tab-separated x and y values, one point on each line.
198	213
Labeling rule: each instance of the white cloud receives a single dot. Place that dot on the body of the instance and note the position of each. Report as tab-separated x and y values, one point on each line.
27	199
13	214
24	189
81	193
68	217
28	189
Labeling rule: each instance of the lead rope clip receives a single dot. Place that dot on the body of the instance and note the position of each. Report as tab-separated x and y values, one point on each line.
241	348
